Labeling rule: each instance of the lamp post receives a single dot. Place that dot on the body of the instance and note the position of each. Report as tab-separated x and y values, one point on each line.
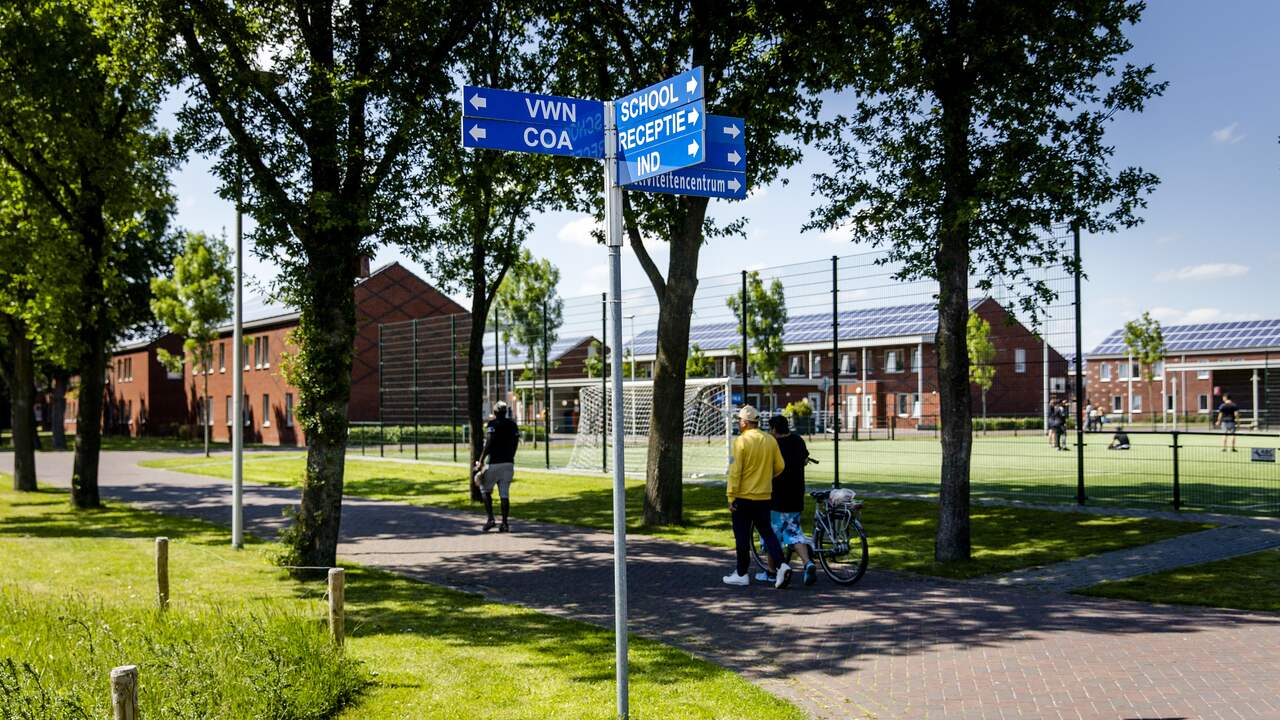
237	377
632	320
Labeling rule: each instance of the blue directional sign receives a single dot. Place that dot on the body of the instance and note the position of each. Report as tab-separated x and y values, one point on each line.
725	157
726	144
636	165
697	181
528	122
724	129
657	99
684	120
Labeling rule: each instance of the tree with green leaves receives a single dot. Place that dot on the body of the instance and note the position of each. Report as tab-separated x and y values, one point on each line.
982	371
758	64
193	303
484	200
698	365
326	108
766	320
531	306
977	131
80	83
595	362
1145	340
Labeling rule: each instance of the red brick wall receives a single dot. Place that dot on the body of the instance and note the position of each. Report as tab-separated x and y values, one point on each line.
259	379
1193	385
141	399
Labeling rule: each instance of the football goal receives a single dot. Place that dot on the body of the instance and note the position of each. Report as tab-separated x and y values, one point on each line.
707	429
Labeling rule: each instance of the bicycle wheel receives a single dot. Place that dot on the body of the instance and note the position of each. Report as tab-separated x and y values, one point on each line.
761	556
842	553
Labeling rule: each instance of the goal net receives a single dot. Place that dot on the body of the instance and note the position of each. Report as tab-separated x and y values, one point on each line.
707	429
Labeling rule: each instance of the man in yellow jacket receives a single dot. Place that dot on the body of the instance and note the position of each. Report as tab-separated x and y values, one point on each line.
756	462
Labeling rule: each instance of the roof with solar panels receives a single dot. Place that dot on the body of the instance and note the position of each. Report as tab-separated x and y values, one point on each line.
1242	335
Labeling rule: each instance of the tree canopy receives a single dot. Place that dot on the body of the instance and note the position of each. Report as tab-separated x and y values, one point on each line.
766	319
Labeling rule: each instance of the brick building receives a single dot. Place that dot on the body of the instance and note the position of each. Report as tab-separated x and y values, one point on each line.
1202	362
143	398
886	366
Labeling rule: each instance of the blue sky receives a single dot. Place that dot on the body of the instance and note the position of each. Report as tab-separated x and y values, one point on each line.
1209	250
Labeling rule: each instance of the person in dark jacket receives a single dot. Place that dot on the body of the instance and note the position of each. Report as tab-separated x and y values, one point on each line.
501	438
787	502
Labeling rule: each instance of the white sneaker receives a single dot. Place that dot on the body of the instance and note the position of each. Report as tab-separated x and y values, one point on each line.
736	579
784	576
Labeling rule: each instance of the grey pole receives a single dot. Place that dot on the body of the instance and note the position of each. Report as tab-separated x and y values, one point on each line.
237	378
613	223
835	368
1075	232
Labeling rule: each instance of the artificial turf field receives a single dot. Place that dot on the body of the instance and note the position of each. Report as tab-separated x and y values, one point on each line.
1018	466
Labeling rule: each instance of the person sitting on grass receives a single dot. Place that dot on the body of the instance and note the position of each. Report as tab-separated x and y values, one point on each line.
1226	417
756	462
501	438
787	501
1119	441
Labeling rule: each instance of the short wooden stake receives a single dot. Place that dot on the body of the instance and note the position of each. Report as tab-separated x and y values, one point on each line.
336	592
162	572
124	693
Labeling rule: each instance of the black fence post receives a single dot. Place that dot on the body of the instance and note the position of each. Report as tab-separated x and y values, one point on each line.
1080	497
1177	480
453	383
415	389
835	369
546	386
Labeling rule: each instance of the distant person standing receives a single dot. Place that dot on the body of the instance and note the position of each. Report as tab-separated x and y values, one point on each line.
787	502
756	462
1057	419
1226	417
501	438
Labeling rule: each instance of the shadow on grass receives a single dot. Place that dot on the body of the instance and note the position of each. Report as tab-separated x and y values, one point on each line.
47	513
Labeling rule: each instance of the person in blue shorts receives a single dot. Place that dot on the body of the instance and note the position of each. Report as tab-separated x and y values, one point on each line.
787	501
1226	417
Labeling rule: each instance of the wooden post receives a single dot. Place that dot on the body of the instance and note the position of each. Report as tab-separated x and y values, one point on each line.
336	591
124	693
162	572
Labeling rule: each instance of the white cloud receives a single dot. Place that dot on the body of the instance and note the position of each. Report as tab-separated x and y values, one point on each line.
1176	316
578	232
1204	271
758	192
595	280
1227	135
839	235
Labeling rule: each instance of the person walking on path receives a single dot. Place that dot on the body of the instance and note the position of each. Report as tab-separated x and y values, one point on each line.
1057	425
1226	417
501	438
787	502
756	462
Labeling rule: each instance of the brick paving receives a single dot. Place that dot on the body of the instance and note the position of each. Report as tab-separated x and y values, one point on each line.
893	646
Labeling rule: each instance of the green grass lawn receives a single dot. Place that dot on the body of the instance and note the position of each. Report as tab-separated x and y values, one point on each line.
901	532
1021	466
1248	582
430	652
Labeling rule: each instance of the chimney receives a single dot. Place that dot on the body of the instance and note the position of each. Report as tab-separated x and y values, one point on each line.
362	267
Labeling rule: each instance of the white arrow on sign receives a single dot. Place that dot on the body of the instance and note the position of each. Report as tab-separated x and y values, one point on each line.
732	131
478	132
691	85
478	102
734	157
692	116
734	184
693	148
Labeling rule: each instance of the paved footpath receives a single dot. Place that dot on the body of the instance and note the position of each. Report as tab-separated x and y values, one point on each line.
892	646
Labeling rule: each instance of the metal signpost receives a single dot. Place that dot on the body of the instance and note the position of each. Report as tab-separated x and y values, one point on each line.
659	139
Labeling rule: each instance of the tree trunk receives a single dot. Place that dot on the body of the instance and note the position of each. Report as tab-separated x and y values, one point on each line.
326	332
952	264
22	387
58	411
664	474
475	362
93	368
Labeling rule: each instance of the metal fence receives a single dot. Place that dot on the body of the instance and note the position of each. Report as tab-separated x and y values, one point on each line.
856	373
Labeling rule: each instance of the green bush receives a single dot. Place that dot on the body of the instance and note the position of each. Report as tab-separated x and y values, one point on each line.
56	655
1007	423
358	435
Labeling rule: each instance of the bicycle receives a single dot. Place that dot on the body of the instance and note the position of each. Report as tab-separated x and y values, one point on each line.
839	540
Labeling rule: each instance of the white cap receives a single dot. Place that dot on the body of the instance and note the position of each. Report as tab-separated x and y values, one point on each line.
749	414
500	406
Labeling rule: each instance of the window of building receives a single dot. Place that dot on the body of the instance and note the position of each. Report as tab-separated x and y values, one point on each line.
1020	360
229	410
244	354
266	410
1202	374
796	368
222	357
1168	403
1117	403
815	366
1124	370
1135	371
847	366
1204	403
893	361
288	410
1157	370
915	360
1104	372
266	350
733	368
1137	403
248	414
